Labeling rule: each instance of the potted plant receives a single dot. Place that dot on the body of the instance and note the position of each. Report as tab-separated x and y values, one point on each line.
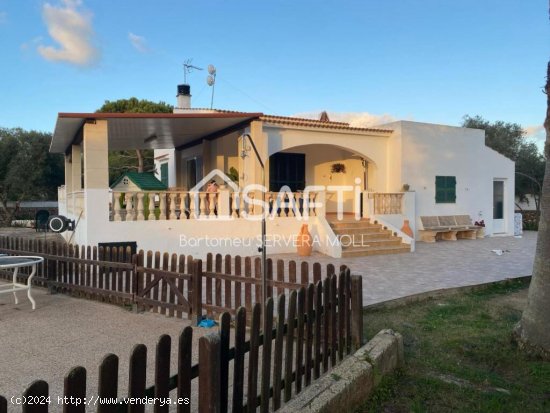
406	187
481	228
338	168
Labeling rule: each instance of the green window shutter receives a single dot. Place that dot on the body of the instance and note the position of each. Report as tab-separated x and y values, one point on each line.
164	173
445	189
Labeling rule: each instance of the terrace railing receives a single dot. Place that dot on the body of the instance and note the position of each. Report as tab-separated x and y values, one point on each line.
186	205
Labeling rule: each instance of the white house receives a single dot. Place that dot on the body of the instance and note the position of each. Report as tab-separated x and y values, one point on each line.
345	181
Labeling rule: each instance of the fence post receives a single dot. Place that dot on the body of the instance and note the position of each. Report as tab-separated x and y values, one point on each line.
356	311
209	373
197	291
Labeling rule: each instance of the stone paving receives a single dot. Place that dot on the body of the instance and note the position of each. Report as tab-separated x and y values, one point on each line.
445	264
64	331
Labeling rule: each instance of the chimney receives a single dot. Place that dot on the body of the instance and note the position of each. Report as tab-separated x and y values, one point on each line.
184	97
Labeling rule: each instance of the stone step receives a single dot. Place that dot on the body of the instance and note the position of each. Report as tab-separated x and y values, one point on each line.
381	235
352	230
358	243
360	224
363	252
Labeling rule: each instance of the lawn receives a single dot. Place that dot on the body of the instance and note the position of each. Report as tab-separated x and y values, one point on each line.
459	356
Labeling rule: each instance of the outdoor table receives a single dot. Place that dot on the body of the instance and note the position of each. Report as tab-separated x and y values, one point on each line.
16	262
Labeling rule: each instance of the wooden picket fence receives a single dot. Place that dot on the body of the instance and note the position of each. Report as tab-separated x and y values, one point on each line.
312	332
168	284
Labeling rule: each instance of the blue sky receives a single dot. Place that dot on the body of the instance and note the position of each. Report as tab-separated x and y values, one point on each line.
365	61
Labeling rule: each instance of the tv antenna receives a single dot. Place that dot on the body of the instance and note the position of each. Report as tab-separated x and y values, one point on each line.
188	68
211	81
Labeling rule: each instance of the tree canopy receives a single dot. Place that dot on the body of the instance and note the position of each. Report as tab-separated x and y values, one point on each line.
509	140
132	160
28	171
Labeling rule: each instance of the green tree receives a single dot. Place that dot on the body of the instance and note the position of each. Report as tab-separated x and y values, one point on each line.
508	139
28	171
139	160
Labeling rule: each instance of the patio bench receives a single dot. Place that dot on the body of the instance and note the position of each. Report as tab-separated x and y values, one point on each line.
432	229
448	227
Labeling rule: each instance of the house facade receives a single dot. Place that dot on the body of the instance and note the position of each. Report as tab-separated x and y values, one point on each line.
336	178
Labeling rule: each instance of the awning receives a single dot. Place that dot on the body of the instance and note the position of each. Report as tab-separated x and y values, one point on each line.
150	130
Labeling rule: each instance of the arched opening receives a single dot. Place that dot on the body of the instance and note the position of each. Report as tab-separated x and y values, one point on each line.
324	165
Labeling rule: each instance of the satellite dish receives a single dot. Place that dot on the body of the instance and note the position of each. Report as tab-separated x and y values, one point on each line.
210	80
212	70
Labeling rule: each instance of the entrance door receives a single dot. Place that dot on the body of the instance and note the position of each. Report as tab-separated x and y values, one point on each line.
287	169
498	207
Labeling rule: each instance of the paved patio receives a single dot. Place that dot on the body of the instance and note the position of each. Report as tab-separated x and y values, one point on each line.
445	264
64	332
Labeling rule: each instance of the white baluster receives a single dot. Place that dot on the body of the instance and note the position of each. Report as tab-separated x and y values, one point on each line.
150	214
296	210
311	203
251	206
241	204
130	215
140	215
116	206
212	200
193	196
162	205
202	206
235	204
172	214
183	199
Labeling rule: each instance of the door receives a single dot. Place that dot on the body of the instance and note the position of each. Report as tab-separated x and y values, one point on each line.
287	169
498	207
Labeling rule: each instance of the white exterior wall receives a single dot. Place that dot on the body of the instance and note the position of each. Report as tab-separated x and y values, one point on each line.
162	156
165	235
428	150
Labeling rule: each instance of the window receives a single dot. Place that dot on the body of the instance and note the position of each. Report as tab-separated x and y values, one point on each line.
164	173
445	189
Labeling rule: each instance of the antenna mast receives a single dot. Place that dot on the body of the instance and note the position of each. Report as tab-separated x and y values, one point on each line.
188	68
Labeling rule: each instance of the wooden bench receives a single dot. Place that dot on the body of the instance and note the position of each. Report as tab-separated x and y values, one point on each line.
447	227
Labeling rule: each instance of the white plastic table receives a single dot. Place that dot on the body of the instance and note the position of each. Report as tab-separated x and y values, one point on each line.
16	262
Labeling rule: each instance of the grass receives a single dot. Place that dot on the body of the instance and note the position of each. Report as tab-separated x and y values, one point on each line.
459	356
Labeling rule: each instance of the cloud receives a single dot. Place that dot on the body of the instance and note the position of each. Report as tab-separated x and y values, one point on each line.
71	28
537	134
31	43
3	17
138	42
355	119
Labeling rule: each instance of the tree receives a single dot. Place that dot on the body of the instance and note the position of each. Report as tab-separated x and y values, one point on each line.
508	139
533	332
27	170
140	160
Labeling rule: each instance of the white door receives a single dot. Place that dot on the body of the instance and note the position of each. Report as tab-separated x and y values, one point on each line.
498	207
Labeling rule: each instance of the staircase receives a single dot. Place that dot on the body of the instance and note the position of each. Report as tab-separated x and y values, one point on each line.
363	238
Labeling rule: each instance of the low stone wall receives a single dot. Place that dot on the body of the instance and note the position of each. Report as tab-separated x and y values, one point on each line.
350	384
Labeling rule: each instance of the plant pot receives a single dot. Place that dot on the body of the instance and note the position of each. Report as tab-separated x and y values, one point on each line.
406	229
481	233
304	242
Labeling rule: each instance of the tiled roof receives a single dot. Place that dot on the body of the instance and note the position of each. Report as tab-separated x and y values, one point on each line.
294	121
313	123
146	181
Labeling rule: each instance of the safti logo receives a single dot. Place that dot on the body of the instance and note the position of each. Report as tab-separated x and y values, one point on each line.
255	201
211	175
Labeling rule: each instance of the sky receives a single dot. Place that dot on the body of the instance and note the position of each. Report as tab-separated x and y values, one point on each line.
366	62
